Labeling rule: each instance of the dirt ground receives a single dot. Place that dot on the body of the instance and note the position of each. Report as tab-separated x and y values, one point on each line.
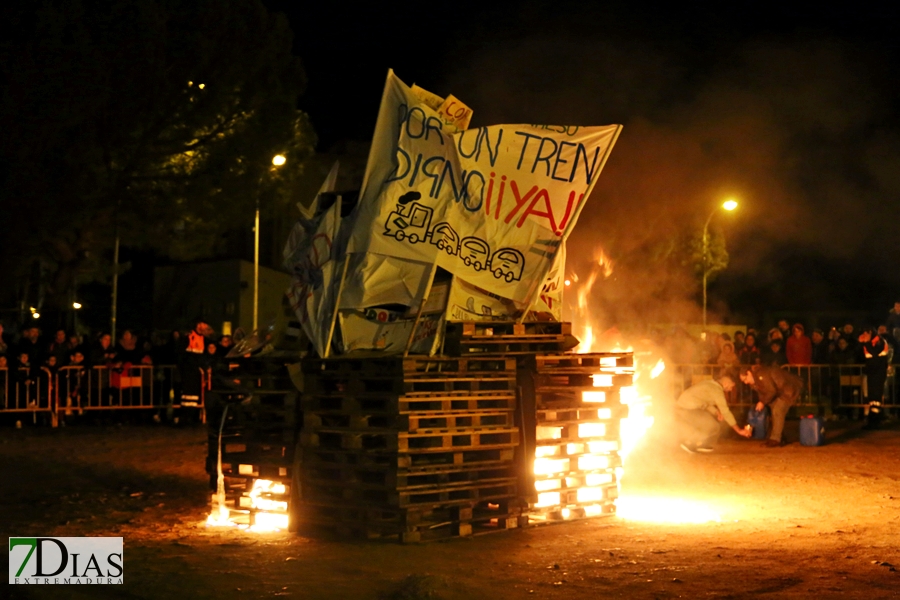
795	522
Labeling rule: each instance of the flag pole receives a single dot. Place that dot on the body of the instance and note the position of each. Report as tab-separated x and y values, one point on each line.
412	334
337	300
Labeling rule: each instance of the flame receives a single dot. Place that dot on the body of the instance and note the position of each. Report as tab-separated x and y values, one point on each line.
587	340
665	510
268	513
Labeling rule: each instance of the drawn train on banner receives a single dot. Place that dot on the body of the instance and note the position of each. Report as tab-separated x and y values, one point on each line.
412	222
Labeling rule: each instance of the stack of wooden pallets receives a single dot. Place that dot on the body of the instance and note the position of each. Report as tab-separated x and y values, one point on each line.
258	439
507	338
578	401
415	448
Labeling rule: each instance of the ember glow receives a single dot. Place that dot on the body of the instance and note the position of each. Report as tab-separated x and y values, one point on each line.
665	510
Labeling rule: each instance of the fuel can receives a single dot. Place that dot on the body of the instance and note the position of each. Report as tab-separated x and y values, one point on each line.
812	431
759	421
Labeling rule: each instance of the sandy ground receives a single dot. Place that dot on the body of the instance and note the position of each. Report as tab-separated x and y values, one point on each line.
795	522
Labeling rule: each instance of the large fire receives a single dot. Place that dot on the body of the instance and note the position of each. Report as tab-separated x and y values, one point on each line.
638	420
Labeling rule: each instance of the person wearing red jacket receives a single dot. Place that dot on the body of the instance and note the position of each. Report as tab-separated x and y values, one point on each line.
876	351
799	347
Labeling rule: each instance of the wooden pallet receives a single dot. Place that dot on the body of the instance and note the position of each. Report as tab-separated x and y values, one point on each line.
501	328
540	516
324	491
389	404
408	367
474	457
410	525
581	382
381	385
408	422
574	480
431	441
583	413
406	479
593	361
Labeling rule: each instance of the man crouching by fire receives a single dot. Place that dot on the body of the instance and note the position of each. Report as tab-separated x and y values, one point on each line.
777	389
699	409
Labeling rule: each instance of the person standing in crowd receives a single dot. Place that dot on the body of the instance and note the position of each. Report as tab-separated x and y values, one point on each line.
819	348
29	345
773	355
193	361
777	389
785	329
102	354
799	347
127	349
738	342
727	357
893	321
848	334
749	353
698	412
775	335
59	348
876	351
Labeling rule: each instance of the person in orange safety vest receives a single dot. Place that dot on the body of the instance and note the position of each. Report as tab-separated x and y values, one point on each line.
876	352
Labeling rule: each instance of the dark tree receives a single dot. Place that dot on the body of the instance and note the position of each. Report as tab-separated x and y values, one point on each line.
156	117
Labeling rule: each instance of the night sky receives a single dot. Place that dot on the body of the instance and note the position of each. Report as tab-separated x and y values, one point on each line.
792	112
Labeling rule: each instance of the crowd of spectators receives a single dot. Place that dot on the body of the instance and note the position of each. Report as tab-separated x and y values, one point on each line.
783	344
32	350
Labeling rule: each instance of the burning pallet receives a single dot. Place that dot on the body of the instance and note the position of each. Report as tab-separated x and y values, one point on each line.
253	433
508	338
576	404
410	448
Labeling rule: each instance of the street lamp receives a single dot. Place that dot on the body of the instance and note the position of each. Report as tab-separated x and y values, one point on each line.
727	205
277	161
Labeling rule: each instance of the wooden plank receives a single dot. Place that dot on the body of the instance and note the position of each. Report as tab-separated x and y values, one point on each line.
409	461
407	422
387	404
322	492
406	480
432	441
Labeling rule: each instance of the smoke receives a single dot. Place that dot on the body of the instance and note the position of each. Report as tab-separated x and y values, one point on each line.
798	130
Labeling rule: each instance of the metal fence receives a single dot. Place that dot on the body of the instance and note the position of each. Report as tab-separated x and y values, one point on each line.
828	389
75	390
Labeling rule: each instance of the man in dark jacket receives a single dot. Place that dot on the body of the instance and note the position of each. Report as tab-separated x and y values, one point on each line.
777	389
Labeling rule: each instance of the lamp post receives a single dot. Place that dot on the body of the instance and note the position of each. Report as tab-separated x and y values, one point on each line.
727	205
277	161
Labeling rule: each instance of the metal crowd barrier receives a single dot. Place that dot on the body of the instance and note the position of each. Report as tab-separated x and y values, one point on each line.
828	389
27	391
74	390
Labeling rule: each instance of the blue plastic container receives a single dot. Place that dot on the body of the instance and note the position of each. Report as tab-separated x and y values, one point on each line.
759	421
812	431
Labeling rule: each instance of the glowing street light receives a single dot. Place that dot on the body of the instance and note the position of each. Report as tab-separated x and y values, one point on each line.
76	305
728	205
277	161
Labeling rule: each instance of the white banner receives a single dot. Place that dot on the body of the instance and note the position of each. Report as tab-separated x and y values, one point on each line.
491	205
310	256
